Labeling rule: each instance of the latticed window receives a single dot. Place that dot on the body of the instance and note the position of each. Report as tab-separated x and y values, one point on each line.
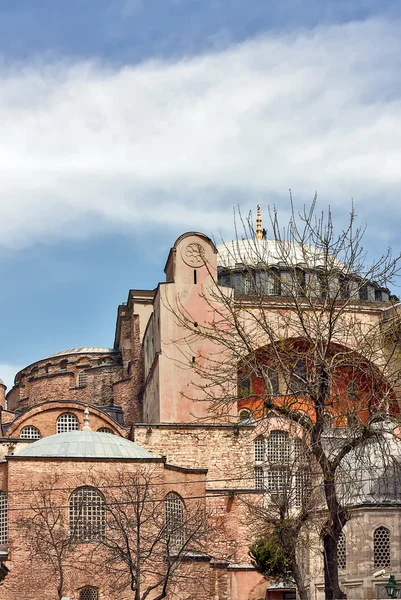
30	433
105	430
277	481
174	520
3	519
87	515
381	548
67	422
278	467
259	449
82	379
278	448
259	478
342	551
89	593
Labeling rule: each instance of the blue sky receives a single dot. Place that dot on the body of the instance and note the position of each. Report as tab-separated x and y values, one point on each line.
124	123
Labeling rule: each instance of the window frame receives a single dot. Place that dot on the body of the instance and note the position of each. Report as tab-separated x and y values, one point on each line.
87	520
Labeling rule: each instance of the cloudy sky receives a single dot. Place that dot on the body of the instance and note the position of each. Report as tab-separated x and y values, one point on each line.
124	123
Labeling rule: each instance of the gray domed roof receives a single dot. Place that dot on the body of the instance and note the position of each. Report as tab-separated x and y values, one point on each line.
84	350
2	382
251	252
85	444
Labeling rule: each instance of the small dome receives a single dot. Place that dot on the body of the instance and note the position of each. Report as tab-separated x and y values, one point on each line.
85	350
251	252
85	444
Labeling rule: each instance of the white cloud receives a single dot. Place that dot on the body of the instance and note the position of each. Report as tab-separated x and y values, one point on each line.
7	374
85	146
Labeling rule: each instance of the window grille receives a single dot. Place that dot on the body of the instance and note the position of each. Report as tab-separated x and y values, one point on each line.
88	593
342	551
67	422
302	487
259	478
259	449
30	433
277	481
3	519
82	379
87	515
105	430
174	520
278	448
381	548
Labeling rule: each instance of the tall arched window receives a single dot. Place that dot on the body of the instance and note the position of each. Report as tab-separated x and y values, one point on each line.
87	515
381	548
82	379
89	593
67	422
3	519
174	520
279	467
30	433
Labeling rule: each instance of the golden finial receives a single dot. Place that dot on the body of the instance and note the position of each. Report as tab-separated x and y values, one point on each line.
258	223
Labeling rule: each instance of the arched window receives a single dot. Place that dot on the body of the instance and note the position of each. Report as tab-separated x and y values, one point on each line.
244	415
63	364
105	430
67	422
342	551
381	548
82	379
3	519
174	520
89	593
30	433
278	448
279	467
87	515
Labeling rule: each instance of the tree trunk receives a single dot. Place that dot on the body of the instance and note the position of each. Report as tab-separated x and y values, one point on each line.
299	579
331	580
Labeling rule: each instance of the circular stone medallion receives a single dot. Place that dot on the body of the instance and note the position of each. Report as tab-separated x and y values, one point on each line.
194	255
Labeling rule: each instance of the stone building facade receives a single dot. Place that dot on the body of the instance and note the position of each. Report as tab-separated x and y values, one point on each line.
144	391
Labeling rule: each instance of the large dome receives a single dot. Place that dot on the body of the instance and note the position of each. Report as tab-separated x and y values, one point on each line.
84	350
85	444
252	252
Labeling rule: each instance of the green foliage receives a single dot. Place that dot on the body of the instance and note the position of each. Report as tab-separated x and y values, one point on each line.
269	558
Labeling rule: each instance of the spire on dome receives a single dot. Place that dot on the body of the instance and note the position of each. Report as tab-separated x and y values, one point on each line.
259	234
86	426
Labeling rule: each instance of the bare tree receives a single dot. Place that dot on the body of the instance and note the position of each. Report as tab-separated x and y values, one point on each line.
44	527
283	517
291	316
152	540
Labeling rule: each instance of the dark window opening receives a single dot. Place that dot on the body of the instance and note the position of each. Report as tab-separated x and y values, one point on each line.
244	387
378	295
298	384
344	287
195	277
363	293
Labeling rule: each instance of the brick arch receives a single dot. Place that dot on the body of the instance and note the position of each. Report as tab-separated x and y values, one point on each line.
44	417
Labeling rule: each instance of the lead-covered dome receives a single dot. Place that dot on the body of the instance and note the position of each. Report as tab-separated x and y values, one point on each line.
85	444
254	252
